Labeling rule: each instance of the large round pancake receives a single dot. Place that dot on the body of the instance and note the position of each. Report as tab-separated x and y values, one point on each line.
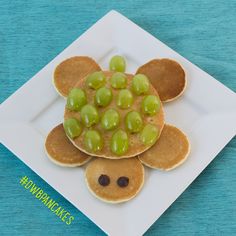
70	71
167	76
135	145
170	150
112	193
61	151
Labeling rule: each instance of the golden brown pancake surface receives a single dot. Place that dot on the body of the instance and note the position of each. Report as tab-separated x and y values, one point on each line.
61	151
170	150
70	71
115	181
167	77
135	144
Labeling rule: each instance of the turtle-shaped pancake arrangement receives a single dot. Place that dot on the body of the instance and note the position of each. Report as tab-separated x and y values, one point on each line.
117	120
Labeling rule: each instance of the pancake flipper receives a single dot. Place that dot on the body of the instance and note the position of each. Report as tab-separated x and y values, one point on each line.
115	181
61	151
167	76
70	71
170	150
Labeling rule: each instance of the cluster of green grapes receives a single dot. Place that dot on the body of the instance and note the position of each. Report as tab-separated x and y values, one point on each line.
110	120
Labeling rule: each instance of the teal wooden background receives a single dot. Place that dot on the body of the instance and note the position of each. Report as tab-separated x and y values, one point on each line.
33	32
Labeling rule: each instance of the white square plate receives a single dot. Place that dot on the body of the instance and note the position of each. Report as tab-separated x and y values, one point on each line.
206	113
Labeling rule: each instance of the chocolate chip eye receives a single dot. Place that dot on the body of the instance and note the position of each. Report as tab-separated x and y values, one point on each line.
123	181
104	180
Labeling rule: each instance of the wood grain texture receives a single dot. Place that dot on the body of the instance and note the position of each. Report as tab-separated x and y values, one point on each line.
33	32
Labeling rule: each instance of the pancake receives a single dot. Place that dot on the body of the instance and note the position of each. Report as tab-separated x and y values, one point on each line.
171	150
167	77
70	71
61	151
135	145
115	181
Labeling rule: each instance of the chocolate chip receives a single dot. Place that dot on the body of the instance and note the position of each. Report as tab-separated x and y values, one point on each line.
104	180
123	181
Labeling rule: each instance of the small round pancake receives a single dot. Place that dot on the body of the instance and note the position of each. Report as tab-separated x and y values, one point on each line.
167	77
131	168
135	145
61	151
70	71
170	150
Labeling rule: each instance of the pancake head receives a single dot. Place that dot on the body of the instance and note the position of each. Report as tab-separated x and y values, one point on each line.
167	76
171	150
115	181
61	151
70	71
135	144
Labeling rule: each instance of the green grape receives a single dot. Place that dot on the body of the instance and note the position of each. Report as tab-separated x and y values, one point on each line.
72	127
103	96
151	105
96	80
89	115
118	80
124	99
149	134
110	119
140	84
76	99
133	122
93	141
117	63
119	142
